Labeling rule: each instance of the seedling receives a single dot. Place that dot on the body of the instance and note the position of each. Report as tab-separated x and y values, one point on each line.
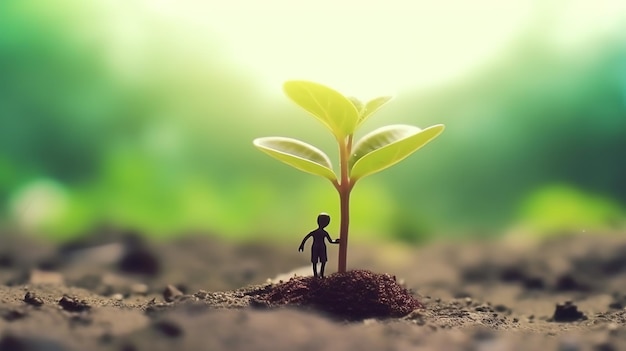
380	149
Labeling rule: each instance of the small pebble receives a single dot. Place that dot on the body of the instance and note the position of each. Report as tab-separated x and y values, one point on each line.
501	308
32	299
616	305
201	294
13	314
168	328
604	346
6	260
139	260
73	304
171	293
567	312
12	342
483	334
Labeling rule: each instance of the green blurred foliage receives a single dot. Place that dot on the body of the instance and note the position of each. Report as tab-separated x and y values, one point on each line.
532	120
558	208
157	135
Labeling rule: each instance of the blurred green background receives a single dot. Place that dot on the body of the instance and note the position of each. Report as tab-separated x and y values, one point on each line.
141	114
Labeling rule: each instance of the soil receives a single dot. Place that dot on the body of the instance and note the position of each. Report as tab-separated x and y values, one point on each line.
352	296
115	291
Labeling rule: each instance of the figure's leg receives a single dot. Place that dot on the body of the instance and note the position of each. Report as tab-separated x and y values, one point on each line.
315	257
323	264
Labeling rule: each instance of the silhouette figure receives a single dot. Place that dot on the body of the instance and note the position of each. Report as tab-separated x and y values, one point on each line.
318	249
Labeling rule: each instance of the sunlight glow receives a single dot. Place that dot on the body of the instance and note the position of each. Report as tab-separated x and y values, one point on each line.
356	47
367	51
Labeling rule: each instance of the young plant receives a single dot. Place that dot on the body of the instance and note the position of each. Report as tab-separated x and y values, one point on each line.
380	149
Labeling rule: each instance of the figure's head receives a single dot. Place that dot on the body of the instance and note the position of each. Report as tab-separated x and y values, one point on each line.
323	219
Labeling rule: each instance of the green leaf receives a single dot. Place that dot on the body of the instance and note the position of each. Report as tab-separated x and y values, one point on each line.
297	154
371	107
357	104
387	146
330	107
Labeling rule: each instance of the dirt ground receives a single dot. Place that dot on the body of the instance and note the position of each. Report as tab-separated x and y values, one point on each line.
114	291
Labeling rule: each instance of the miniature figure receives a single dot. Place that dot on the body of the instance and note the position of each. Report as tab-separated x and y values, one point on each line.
318	249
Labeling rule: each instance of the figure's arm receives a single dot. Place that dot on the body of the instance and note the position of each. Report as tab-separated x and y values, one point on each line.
301	248
336	241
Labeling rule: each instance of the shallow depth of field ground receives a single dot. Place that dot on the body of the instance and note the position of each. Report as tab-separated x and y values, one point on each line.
114	291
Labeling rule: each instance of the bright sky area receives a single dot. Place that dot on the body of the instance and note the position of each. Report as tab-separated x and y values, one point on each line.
363	48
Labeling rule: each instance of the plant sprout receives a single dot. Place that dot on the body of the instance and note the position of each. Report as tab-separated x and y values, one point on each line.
380	149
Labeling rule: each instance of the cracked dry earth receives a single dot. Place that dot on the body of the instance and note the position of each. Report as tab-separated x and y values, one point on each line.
115	291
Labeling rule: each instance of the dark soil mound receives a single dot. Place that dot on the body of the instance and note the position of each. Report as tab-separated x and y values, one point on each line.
353	295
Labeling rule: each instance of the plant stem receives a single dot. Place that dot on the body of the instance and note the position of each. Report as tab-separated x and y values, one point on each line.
344	199
344	188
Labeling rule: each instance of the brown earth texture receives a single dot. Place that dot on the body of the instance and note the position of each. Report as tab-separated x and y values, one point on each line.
115	291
